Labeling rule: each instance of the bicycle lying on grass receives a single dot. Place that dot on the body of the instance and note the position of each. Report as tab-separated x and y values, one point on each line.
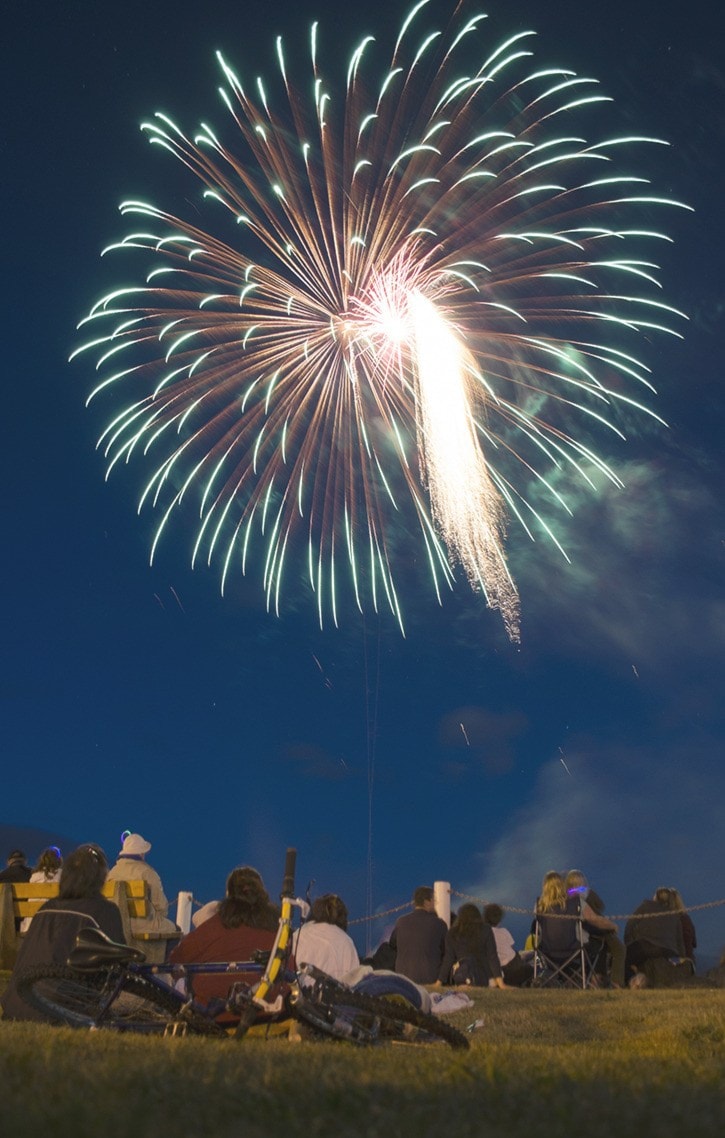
108	985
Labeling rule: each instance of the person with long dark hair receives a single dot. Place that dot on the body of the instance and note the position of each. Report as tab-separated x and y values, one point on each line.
470	955
246	921
54	928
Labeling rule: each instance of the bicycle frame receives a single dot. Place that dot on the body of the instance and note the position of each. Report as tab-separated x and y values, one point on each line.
280	951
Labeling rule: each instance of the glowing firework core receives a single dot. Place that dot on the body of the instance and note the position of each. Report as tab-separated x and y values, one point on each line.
464	500
415	344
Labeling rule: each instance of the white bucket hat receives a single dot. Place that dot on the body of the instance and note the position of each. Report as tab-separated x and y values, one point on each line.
135	844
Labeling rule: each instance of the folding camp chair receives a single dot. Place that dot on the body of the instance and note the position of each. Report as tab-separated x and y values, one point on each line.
561	959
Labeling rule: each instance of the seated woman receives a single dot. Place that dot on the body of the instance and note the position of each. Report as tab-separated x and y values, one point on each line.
469	955
245	921
56	924
323	940
47	870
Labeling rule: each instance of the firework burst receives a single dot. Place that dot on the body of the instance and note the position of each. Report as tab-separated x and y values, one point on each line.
434	275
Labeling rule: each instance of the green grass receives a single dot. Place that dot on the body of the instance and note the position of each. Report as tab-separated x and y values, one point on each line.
544	1064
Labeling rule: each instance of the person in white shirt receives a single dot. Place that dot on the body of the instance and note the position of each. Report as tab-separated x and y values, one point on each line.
48	869
323	940
516	971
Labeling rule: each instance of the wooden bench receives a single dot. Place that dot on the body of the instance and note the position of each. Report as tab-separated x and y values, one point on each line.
21	899
28	898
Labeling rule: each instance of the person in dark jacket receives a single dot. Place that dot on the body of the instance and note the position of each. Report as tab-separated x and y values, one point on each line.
653	932
418	939
470	955
54	928
17	868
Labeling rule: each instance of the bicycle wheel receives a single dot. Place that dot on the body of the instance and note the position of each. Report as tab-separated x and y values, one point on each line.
346	1014
79	999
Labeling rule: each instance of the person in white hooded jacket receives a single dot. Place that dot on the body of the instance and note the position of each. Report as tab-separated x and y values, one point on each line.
131	865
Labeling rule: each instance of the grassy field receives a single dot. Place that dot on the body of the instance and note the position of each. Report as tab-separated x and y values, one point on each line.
544	1063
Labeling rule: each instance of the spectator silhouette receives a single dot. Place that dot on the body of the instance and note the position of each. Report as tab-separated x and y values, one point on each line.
418	939
323	940
470	955
652	934
17	868
575	884
245	922
131	865
515	970
47	869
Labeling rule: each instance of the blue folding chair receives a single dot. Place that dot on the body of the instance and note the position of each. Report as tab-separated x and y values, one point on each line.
561	958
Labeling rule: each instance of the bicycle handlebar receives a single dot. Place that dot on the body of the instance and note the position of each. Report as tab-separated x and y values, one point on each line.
288	882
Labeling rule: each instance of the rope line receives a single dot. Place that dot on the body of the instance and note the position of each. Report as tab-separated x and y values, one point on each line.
531	912
379	916
611	916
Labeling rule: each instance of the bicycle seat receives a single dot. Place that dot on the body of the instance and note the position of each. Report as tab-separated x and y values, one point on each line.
94	950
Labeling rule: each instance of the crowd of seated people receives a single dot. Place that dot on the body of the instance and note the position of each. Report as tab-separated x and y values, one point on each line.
659	930
657	948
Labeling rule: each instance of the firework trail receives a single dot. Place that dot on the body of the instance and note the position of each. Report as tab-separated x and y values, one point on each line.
418	302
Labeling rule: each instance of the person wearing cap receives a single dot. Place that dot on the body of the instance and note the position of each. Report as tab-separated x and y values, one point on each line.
17	868
131	865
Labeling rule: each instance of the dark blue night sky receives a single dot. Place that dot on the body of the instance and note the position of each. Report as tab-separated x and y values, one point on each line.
136	697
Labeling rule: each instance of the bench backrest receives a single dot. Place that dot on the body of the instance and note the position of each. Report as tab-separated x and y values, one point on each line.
28	898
